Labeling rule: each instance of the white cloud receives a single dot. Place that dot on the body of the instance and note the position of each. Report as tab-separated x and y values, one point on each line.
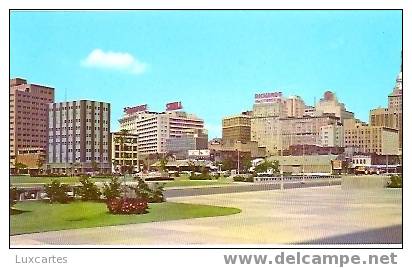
120	61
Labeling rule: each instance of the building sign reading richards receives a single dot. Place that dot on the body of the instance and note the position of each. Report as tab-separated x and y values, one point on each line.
139	108
268	97
171	106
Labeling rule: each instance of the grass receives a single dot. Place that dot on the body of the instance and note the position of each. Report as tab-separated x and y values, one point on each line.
182	180
36	181
41	217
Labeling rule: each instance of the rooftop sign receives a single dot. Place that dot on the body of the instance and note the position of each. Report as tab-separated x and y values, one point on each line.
171	106
268	97
139	108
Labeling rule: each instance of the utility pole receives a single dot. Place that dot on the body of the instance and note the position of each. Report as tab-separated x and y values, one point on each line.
303	164
387	160
280	142
238	162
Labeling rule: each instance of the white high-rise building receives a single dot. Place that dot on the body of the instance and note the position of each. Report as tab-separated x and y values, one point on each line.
155	128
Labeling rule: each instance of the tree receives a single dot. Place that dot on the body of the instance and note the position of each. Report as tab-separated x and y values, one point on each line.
266	165
121	139
57	192
192	167
19	166
162	163
228	164
88	190
14	196
274	165
164	160
113	189
247	162
142	190
40	162
157	193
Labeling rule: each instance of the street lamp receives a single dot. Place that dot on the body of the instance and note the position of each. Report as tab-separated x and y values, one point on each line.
303	164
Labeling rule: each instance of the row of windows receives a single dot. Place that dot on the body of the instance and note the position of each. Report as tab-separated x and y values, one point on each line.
28	129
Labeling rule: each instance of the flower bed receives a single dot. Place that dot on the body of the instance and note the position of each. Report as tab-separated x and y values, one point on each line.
127	205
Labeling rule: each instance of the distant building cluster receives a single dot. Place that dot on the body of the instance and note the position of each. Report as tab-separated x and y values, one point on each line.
282	126
75	136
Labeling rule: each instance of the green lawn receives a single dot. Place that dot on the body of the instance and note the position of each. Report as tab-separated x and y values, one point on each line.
40	216
182	180
32	181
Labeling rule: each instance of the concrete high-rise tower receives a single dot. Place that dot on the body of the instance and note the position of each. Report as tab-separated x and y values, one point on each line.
28	116
392	115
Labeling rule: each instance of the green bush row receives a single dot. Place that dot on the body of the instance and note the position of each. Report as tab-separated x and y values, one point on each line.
243	179
203	176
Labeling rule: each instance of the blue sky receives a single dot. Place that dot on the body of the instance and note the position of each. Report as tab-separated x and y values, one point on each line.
212	61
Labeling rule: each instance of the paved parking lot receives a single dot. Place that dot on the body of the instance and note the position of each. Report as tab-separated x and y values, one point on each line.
305	215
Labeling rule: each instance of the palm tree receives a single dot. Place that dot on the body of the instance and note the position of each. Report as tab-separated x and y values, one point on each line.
40	162
121	139
164	160
18	166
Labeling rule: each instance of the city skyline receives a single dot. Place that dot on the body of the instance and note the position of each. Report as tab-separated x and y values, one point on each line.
223	58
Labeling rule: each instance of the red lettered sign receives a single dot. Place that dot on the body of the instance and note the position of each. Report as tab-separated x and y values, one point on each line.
171	106
139	108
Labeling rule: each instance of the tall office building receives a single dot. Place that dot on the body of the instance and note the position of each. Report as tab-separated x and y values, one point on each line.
278	123
380	140
179	146
304	130
391	116
236	128
155	128
267	110
28	116
79	137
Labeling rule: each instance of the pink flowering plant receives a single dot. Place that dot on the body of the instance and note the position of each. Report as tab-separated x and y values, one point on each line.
127	205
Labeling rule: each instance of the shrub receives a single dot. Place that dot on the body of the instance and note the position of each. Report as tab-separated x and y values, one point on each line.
112	190
88	190
127	205
103	176
57	192
52	175
248	178
395	182
200	177
160	179
142	190
156	195
14	196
